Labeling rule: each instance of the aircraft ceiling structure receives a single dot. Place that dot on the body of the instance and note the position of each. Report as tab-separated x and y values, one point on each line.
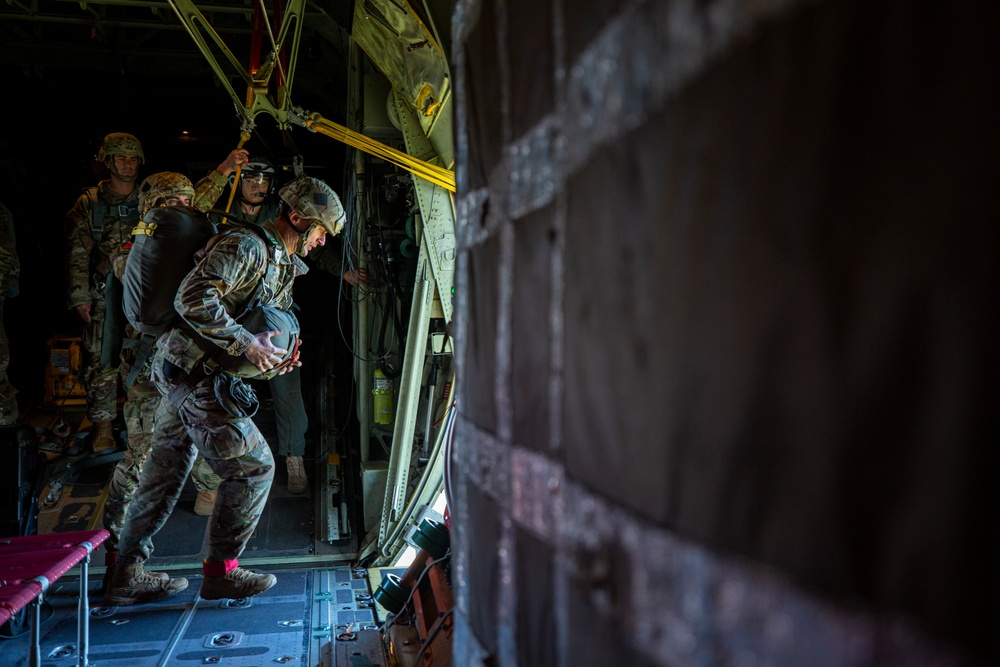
109	37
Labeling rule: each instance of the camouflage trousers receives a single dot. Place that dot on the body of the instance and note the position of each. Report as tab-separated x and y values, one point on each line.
289	413
234	449
8	395
141	401
140	409
101	383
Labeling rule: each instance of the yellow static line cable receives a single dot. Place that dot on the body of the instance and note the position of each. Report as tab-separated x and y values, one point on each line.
236	179
433	173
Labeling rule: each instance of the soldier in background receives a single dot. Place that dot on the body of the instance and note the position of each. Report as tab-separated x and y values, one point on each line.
10	269
100	221
210	413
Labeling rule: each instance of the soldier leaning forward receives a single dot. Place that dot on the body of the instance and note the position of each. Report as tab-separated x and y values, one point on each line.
208	410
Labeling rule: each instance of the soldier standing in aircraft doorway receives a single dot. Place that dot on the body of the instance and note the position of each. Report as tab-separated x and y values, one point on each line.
259	204
101	219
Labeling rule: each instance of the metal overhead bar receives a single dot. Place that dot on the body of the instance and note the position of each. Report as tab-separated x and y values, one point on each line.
259	99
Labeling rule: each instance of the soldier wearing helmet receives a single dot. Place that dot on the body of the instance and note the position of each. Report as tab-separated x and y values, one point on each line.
100	221
163	189
168	188
210	412
98	227
257	186
314	202
259	203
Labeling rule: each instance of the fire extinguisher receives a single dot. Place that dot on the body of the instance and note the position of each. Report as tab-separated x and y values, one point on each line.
382	391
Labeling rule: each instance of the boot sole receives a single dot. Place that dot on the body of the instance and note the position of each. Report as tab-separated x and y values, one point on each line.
117	601
222	596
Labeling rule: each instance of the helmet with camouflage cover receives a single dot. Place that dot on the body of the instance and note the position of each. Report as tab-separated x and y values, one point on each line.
315	200
157	187
120	143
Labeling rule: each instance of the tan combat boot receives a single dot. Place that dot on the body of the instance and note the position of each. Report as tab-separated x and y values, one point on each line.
131	584
205	502
103	439
110	559
297	482
235	584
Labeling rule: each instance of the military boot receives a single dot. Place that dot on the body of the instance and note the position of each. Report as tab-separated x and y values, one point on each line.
235	584
103	439
131	584
205	502
110	558
297	481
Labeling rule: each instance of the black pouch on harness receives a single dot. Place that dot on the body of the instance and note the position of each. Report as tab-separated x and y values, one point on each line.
235	396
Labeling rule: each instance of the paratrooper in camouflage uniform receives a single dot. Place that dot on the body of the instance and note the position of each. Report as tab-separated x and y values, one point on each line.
141	399
210	413
90	262
10	269
258	204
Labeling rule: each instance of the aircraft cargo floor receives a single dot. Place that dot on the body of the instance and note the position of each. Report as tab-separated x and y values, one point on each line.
294	623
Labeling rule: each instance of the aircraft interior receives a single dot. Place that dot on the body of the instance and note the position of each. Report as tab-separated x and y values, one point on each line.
678	343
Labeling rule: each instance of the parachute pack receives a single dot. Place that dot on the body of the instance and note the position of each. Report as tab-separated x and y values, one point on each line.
163	248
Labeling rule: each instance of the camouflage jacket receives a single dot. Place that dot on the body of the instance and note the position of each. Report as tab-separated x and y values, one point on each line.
84	259
208	190
10	265
218	289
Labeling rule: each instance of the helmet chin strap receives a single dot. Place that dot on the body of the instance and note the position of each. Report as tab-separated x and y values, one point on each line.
301	243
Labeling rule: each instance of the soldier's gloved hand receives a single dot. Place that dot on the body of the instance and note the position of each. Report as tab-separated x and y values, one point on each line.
83	310
262	353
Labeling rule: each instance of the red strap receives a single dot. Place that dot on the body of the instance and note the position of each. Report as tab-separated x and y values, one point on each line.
219	569
110	558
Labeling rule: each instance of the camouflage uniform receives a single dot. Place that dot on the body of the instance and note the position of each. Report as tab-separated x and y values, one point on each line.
87	266
141	400
10	268
221	284
291	420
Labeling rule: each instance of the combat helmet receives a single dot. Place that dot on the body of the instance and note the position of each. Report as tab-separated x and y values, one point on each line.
120	143
258	167
157	187
315	200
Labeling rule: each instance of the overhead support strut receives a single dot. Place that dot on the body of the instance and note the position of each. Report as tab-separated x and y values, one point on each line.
278	105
